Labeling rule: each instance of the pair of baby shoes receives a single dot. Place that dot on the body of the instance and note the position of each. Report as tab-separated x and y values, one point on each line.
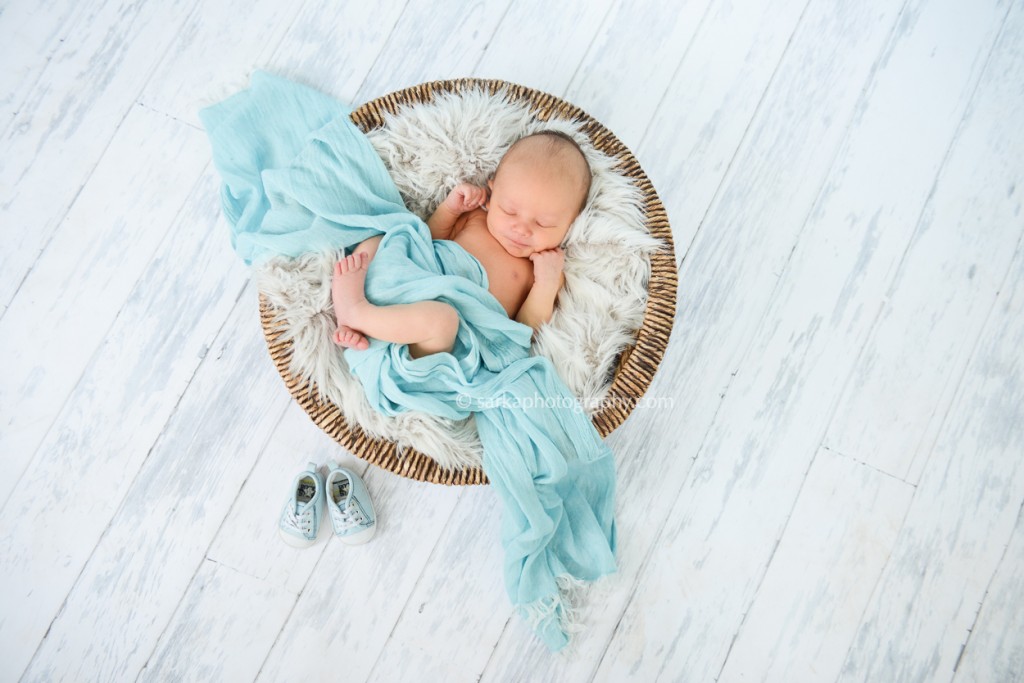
342	494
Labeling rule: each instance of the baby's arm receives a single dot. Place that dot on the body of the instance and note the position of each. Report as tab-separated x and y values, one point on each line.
463	198
547	282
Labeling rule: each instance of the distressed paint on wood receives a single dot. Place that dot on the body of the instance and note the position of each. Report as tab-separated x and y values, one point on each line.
459	606
541	54
932	313
89	459
695	135
752	463
824	568
630	64
32	33
963	515
994	650
61	132
220	639
215	49
356	594
76	288
179	499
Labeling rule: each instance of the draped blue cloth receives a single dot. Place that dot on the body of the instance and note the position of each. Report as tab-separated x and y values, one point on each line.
300	177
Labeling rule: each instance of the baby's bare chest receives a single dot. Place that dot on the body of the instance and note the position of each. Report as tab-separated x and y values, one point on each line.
509	277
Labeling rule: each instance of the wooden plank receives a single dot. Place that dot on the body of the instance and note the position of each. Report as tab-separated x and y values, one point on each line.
169	512
995	650
630	65
751	464
727	283
541	54
335	56
31	33
220	639
218	45
459	607
431	42
689	144
328	576
829	558
67	121
248	540
356	594
91	457
73	294
932	313
963	515
972	486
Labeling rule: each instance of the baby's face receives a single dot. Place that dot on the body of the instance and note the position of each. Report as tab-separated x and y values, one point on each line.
531	207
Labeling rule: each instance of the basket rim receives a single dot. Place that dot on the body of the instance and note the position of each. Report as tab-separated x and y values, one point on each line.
637	365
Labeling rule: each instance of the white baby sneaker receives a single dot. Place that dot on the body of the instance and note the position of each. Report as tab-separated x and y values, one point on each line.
299	524
349	506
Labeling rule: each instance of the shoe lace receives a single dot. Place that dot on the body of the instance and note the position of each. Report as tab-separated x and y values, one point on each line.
351	515
302	521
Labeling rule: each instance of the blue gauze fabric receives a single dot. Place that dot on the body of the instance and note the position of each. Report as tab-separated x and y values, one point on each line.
299	177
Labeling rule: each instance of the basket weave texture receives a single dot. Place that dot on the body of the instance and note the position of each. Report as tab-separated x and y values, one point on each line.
637	364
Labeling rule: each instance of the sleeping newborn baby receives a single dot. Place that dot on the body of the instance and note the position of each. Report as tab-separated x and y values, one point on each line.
513	227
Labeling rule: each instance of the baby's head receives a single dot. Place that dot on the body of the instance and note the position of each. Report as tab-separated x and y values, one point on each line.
541	185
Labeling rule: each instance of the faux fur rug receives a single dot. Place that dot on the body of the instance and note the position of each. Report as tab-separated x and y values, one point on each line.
429	148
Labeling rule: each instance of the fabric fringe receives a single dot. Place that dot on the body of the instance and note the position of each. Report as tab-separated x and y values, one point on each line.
568	608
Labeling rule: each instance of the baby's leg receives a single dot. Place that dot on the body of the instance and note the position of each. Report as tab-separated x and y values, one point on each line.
345	335
426	326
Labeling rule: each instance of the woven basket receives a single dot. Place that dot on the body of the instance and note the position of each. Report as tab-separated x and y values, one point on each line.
636	366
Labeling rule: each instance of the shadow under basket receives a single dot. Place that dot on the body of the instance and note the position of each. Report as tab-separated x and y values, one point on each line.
636	365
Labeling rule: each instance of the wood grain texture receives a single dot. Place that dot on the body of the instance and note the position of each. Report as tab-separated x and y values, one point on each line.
962	517
62	131
107	426
544	55
72	296
695	134
824	568
356	594
753	461
994	651
627	37
931	315
33	32
972	487
218	639
216	47
178	499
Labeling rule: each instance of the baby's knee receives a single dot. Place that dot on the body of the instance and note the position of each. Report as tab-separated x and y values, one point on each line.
369	246
446	321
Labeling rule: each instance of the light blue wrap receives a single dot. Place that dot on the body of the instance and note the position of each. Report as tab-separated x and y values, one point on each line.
300	177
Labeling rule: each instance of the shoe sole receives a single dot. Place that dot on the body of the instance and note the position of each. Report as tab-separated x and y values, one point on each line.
295	541
360	538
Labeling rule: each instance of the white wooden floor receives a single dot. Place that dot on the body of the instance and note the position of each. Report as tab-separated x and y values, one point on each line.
826	486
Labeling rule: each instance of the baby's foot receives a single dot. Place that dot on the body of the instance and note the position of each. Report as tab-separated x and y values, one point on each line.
348	296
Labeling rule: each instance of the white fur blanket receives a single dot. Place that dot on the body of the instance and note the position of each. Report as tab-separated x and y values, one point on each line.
429	148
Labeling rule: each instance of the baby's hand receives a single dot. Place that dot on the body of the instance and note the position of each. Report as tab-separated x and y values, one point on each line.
547	267
465	197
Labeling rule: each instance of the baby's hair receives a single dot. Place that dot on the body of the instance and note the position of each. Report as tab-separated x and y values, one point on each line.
558	142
